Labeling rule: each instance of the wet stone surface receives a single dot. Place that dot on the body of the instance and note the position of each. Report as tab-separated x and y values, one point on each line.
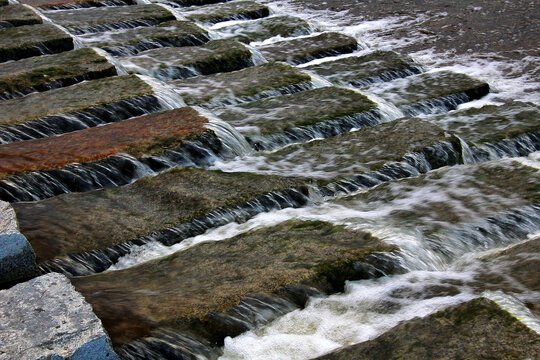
18	15
242	85
259	30
298	51
124	213
212	278
71	4
32	40
176	63
234	10
110	18
466	330
361	71
46	72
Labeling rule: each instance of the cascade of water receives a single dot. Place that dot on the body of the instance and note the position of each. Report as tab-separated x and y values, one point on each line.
120	70
168	98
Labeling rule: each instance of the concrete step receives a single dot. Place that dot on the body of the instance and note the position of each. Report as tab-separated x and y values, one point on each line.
18	15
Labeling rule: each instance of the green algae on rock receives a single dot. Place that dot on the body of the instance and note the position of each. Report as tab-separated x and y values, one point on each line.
361	71
51	71
242	84
181	62
32	40
262	29
18	15
301	50
208	279
235	10
477	329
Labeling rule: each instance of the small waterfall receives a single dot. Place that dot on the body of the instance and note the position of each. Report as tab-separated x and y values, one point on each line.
389	75
519	146
98	28
85	4
168	98
77	44
120	70
437	105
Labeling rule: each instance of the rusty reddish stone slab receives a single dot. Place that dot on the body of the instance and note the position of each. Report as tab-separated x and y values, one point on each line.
135	136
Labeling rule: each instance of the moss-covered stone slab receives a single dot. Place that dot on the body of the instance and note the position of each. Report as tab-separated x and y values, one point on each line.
235	10
478	329
361	71
109	18
176	63
78	222
74	4
133	41
143	135
301	50
305	108
18	15
237	86
72	99
431	92
194	286
46	72
32	40
367	149
262	29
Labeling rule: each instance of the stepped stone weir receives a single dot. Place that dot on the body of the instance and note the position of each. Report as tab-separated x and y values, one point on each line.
33	40
431	92
124	213
199	294
463	331
110	18
269	79
176	63
265	28
76	107
234	10
302	116
362	71
18	15
74	4
47	72
301	50
133	41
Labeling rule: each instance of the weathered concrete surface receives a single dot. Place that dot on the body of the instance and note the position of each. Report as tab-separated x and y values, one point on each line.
73	98
32	40
237	10
236	85
147	134
18	15
277	114
46	318
109	18
79	222
132	41
478	329
298	51
189	289
361	71
17	259
51	71
262	29
182	62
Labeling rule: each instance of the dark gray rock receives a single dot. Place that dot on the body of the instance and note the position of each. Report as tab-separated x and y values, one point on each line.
17	259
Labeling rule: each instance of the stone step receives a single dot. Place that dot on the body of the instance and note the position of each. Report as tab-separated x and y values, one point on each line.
110	18
431	92
74	4
269	79
187	3
32	40
262	29
200	290
42	73
362	71
234	10
75	107
45	318
80	222
154	133
301	50
176	63
302	116
133	41
463	331
18	15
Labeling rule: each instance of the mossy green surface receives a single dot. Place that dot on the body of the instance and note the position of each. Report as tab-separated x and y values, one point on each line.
73	98
227	11
18	15
262	29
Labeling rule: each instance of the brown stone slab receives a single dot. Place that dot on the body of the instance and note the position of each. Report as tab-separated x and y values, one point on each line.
137	136
18	15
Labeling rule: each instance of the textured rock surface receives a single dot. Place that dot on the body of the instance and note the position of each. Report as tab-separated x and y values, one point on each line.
46	318
259	30
17	259
8	219
236	10
18	15
478	329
